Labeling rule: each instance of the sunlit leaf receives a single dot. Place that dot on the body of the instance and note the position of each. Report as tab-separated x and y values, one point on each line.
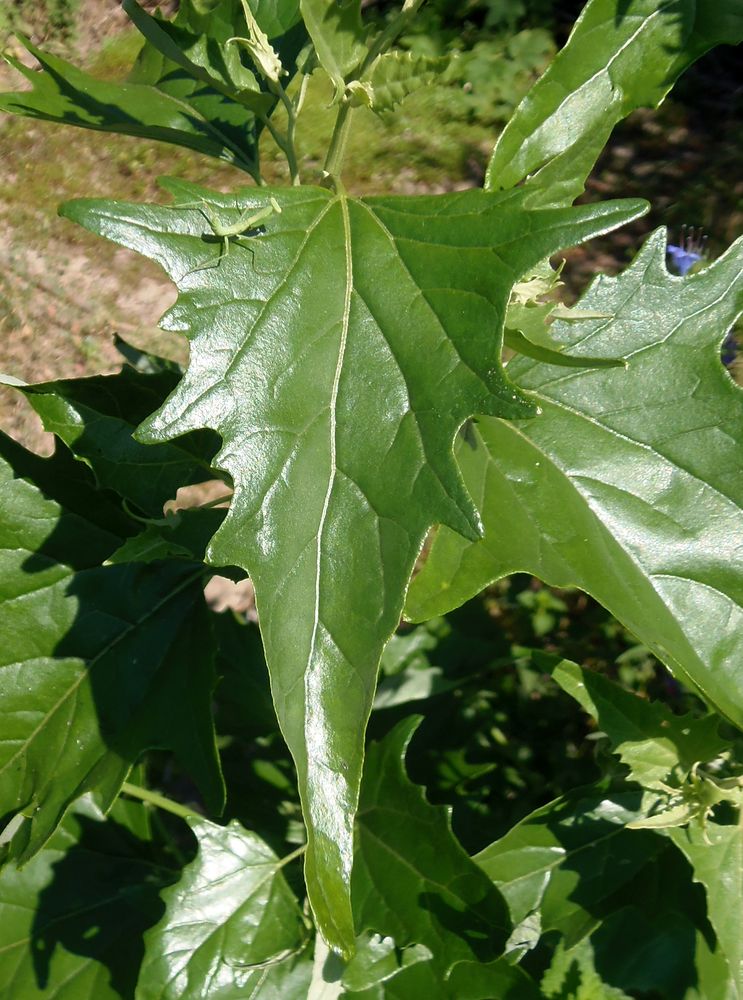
620	56
628	484
232	926
307	343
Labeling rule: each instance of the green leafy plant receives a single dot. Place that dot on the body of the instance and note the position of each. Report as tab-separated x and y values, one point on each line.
347	386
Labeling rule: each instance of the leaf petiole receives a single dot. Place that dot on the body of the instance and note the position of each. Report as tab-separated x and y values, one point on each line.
155	799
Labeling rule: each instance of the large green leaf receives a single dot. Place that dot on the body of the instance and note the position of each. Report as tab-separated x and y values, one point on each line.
71	920
412	880
98	663
337	350
559	864
620	56
232	926
188	114
715	852
654	743
628	484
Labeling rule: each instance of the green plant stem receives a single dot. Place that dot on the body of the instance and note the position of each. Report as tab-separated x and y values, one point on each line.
288	858
337	148
155	799
289	148
393	30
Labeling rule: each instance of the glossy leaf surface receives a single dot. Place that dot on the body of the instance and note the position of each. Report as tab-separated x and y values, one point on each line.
412	880
564	860
71	920
232	927
98	663
619	57
307	348
628	484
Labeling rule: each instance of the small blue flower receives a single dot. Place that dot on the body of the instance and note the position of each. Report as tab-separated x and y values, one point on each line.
684	257
682	260
729	350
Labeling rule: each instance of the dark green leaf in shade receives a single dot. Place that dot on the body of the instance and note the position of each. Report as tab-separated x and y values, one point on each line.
307	348
572	975
96	417
628	484
476	981
98	663
195	53
654	938
200	43
183	534
190	115
411	879
715	853
243	697
468	981
619	57
232	928
72	919
563	860
653	742
90	511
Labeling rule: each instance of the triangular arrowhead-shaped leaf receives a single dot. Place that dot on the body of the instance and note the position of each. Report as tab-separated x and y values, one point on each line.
337	350
232	926
98	663
628	484
619	57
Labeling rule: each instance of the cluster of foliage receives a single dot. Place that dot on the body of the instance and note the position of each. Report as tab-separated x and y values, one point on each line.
499	48
347	385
